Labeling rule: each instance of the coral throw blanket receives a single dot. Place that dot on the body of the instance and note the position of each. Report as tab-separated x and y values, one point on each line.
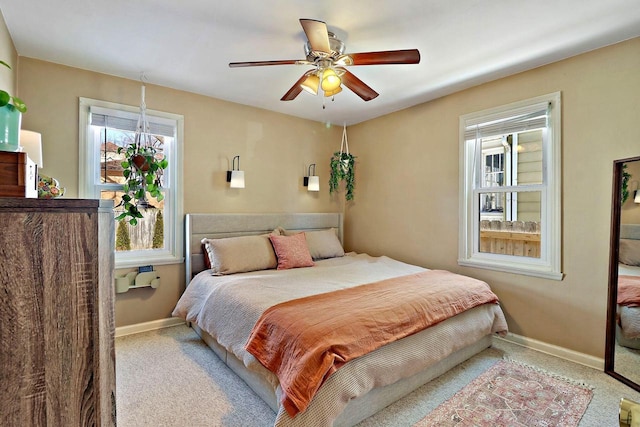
629	290
303	341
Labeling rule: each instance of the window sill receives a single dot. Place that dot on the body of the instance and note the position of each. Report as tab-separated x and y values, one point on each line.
137	261
526	270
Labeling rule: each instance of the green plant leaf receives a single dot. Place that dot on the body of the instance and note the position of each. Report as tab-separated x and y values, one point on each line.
20	106
340	172
139	183
4	98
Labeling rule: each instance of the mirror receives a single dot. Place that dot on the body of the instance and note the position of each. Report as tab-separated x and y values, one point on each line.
622	351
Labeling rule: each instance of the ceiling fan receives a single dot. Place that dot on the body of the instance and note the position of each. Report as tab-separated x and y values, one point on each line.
325	52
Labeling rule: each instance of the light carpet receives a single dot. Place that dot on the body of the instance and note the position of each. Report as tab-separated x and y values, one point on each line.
512	394
169	377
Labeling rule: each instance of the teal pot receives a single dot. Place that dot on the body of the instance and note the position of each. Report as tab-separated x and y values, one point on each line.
9	128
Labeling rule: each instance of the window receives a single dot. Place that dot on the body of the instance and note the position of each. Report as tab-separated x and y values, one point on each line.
105	126
510	188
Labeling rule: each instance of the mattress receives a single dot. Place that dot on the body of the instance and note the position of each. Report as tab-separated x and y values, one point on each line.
227	307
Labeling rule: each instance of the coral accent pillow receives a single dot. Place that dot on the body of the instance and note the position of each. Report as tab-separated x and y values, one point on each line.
291	251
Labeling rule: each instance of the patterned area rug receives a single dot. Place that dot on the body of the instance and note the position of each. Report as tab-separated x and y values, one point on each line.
513	394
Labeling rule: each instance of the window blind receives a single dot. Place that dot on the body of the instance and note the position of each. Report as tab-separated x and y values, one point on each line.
527	118
128	121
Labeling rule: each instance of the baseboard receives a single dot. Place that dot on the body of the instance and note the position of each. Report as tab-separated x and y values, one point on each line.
554	350
148	326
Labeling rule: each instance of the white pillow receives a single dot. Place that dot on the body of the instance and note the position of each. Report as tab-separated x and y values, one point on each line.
629	251
239	254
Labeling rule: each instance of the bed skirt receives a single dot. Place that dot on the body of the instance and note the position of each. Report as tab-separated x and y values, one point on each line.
363	406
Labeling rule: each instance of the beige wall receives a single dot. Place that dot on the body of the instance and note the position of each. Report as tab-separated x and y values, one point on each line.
406	203
275	151
8	55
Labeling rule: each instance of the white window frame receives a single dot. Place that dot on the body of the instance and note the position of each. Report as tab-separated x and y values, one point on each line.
173	213
549	264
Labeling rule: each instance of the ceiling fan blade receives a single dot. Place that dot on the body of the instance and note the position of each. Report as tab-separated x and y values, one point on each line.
259	63
317	35
358	87
295	89
407	56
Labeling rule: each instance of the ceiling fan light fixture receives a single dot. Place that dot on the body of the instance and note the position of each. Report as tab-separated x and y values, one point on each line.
325	52
330	80
328	93
311	83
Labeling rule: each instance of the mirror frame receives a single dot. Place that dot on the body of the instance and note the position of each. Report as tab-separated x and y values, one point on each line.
614	252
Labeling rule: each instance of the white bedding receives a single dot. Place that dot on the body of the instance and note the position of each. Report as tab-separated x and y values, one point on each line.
227	307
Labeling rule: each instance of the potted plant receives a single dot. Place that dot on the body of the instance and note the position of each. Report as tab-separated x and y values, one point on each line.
142	170
11	109
342	169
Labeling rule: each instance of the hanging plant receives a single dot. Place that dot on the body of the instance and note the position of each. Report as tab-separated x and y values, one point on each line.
142	168
343	168
626	176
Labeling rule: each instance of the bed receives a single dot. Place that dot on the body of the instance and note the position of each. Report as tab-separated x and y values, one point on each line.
628	309
362	385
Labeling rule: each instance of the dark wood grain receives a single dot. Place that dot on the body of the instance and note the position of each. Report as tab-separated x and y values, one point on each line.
56	344
8	204
12	174
406	56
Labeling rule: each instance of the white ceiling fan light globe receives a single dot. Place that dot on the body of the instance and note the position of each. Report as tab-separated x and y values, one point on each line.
328	93
311	84
330	80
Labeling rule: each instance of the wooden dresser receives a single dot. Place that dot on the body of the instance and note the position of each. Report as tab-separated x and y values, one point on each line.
57	356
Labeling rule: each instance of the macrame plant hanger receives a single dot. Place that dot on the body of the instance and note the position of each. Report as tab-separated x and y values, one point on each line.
142	137
344	148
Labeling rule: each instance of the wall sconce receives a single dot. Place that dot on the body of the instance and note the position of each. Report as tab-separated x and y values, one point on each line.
636	191
312	182
31	143
235	176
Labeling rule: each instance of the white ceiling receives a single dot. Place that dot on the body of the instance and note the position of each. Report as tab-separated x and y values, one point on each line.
187	44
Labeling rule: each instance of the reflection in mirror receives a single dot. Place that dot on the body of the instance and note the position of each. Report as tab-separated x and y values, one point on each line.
622	358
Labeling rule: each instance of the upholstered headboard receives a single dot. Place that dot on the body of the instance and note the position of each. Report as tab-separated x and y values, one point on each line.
629	247
199	226
630	231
